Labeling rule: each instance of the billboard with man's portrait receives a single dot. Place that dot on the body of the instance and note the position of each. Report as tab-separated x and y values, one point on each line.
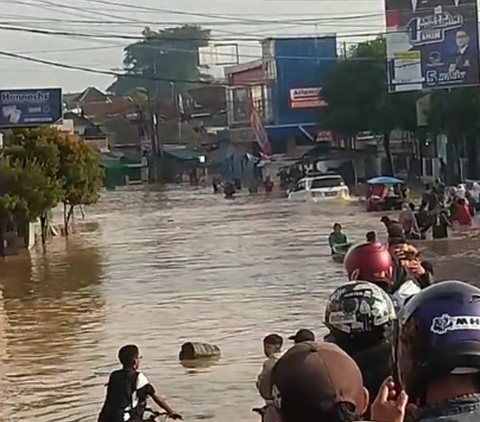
431	44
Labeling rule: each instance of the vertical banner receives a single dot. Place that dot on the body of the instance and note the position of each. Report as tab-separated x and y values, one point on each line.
431	44
259	131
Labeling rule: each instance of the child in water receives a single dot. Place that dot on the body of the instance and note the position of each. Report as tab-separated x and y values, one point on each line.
336	237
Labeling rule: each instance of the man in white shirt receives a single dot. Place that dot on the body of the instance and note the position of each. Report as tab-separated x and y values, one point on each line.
272	347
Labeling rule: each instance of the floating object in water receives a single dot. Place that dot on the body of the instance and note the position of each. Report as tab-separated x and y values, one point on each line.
340	250
198	355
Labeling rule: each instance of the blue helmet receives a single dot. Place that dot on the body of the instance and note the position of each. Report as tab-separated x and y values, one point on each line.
439	334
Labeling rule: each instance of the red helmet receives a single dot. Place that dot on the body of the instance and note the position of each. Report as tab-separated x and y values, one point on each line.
369	262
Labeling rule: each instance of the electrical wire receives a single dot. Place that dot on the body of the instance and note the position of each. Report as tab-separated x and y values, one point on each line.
118	74
166	37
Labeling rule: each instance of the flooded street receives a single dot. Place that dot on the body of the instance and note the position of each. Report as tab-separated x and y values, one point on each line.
163	268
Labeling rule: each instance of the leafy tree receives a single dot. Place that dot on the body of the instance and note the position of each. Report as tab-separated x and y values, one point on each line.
32	165
357	97
42	167
169	54
80	174
28	192
456	113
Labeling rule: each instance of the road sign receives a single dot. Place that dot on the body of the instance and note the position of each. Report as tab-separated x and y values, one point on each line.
30	107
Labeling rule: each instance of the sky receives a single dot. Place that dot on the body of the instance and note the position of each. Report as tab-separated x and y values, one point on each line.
232	22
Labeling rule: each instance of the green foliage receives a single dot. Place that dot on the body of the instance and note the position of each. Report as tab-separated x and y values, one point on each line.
357	97
28	192
169	54
79	171
42	167
356	93
455	112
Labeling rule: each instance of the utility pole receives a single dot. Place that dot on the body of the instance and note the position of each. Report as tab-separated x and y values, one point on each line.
158	134
2	231
157	109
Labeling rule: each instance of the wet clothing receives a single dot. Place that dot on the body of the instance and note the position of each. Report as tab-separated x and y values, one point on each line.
463	216
422	218
126	399
263	384
430	198
460	409
264	387
336	238
229	190
440	226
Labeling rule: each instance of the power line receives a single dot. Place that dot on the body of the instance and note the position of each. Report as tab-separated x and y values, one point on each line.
167	38
125	75
100	71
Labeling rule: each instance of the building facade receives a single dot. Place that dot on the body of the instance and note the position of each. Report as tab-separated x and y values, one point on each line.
284	86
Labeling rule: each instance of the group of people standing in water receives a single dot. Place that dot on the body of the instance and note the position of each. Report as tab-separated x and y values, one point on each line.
439	210
400	347
231	187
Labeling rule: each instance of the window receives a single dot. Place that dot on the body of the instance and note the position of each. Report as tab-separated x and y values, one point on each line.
239	100
327	182
240	103
299	186
256	93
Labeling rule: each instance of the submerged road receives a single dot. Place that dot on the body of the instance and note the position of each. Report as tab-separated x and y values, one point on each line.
160	268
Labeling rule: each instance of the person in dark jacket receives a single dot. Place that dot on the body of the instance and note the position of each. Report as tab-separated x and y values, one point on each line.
361	319
407	263
394	228
128	390
439	346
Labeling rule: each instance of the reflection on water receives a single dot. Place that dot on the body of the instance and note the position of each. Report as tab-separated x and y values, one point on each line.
52	310
164	268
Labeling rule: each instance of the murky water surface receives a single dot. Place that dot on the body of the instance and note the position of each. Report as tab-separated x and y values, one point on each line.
162	268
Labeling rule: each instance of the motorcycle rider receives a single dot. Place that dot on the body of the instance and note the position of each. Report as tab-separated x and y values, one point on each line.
373	262
438	353
361	320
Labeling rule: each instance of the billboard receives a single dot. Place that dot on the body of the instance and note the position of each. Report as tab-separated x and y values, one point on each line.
431	44
306	98
30	107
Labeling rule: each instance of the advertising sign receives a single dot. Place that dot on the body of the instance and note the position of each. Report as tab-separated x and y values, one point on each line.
431	44
306	98
30	107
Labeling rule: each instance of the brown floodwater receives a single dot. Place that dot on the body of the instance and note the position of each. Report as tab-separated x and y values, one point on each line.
161	268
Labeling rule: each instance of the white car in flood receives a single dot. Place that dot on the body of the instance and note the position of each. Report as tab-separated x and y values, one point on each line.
319	188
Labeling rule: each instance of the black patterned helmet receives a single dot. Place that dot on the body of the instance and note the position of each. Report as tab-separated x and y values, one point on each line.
360	311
